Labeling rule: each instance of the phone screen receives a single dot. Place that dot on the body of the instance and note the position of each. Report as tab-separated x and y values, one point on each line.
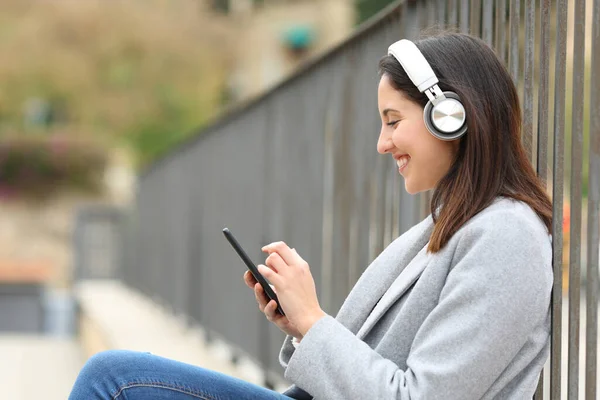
253	269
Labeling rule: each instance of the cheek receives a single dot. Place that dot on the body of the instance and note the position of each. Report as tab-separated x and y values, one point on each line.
440	158
432	159
409	135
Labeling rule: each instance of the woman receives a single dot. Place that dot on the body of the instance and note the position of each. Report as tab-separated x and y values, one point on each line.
458	307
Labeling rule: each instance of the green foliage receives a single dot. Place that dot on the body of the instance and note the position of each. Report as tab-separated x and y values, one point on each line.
144	73
34	167
176	121
368	8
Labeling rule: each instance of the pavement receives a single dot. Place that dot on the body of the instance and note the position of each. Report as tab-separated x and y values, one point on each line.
114	316
38	367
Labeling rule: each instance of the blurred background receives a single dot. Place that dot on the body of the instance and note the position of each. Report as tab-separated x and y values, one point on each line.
114	188
91	92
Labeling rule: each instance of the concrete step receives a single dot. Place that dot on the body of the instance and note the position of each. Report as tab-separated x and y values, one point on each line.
113	316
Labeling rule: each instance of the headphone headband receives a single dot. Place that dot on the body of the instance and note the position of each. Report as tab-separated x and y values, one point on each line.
444	114
414	63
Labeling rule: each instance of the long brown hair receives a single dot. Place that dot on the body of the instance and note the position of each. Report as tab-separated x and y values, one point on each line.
491	160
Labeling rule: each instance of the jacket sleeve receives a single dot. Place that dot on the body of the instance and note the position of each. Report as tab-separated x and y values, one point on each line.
286	351
496	293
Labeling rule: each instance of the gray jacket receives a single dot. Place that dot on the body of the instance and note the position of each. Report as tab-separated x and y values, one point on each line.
474	321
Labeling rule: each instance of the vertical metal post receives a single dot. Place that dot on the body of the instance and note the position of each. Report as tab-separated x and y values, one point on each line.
557	195
431	12
593	235
441	13
528	77
464	16
488	12
544	83
542	117
514	20
475	17
500	29
452	14
576	172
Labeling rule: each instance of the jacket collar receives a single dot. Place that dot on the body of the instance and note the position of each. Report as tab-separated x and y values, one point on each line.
379	276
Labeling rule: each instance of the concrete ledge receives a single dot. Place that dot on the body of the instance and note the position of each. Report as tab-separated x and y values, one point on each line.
37	367
113	316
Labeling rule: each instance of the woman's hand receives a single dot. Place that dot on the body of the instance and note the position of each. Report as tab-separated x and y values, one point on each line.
294	284
269	307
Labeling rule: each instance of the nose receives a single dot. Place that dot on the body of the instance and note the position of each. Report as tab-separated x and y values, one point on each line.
384	143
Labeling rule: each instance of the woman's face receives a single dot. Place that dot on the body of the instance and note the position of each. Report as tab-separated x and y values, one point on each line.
422	159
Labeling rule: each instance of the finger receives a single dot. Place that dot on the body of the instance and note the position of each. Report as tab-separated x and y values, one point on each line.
249	279
298	257
270	274
261	297
268	248
280	247
275	262
269	262
267	266
285	252
271	311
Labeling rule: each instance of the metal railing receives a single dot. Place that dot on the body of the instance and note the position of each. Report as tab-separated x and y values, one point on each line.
299	164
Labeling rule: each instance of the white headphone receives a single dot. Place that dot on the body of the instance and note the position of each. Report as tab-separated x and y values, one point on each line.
444	114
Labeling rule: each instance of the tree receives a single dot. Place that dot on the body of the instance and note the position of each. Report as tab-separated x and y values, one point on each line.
368	8
143	72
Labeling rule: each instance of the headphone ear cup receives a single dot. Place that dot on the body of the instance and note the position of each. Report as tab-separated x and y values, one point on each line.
428	119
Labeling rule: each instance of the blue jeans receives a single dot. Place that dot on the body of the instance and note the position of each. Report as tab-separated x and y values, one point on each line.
130	375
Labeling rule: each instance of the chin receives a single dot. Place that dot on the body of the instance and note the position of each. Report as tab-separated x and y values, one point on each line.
411	189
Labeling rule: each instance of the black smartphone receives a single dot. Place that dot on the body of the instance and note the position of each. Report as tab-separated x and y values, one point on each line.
253	269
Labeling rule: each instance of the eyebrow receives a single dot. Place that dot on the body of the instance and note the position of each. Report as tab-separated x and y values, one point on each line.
387	110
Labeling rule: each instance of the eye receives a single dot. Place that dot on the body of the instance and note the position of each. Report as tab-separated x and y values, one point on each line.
392	123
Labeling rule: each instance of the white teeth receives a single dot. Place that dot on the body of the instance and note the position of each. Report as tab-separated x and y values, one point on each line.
403	161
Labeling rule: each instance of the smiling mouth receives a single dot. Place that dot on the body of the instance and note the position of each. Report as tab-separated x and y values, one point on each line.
402	162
